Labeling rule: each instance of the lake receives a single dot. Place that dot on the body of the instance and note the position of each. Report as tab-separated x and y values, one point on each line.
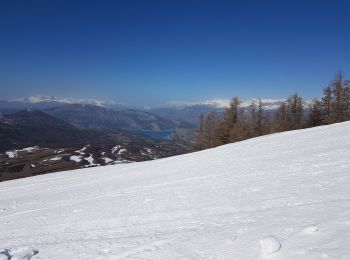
158	135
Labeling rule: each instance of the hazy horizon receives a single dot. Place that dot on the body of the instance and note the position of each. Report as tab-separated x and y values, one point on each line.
220	102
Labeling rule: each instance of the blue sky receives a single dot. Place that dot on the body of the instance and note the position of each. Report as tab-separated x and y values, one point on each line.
152	52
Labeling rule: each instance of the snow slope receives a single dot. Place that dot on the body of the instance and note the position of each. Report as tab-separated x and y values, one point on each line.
283	196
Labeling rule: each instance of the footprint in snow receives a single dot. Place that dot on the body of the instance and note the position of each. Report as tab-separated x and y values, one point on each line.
310	229
269	245
21	253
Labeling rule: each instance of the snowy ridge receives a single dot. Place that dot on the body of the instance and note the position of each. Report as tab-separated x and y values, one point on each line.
223	103
269	104
51	99
219	103
283	196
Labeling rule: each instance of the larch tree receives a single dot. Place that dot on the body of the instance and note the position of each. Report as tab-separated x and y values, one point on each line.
326	104
339	109
315	116
295	112
199	142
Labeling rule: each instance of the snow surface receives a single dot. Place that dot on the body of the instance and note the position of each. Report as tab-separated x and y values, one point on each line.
283	196
90	159
25	253
13	153
56	158
119	149
269	245
107	160
115	148
81	151
30	149
76	158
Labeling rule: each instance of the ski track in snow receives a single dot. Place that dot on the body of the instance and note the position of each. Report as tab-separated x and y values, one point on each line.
283	196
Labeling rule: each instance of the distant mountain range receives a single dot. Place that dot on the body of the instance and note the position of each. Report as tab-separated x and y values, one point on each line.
52	99
223	103
44	102
100	118
99	114
95	114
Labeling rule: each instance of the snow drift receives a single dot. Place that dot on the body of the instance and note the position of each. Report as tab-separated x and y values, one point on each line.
283	196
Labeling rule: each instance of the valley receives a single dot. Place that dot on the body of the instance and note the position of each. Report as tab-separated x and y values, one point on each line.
79	138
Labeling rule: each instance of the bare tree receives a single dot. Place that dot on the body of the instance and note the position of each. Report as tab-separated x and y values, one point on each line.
326	103
199	142
315	116
236	125
295	112
340	101
336	100
281	119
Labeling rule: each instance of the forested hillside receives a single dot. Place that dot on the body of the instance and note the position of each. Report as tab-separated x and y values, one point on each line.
239	123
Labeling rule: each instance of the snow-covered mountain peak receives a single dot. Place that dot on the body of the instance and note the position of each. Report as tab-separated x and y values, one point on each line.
52	99
268	104
223	103
217	103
